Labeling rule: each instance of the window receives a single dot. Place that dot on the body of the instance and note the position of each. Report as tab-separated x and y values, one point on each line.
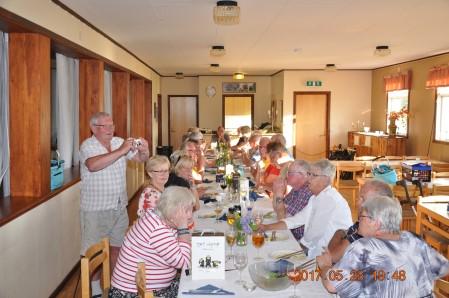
238	111
398	100
442	108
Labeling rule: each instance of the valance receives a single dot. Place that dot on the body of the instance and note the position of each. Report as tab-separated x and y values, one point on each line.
398	81
438	77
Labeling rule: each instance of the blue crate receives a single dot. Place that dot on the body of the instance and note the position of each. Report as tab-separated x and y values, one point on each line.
56	174
414	171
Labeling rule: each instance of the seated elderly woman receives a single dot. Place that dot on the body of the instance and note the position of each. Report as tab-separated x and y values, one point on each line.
159	238
279	161
158	169
182	176
386	262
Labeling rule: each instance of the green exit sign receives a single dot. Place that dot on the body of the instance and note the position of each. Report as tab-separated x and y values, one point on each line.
314	83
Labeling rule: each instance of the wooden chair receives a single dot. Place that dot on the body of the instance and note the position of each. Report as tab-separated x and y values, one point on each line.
441	288
440	170
436	241
141	282
406	193
96	256
357	169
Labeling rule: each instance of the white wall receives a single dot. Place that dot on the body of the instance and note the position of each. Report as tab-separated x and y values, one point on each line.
39	248
350	99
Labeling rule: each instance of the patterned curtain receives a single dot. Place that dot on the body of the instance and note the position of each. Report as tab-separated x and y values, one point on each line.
398	81
438	77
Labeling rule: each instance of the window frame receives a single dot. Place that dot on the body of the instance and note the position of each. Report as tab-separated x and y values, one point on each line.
388	112
237	95
435	116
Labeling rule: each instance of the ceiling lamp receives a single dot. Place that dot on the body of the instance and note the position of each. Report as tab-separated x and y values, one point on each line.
179	75
382	51
330	67
238	76
214	67
217	51
226	13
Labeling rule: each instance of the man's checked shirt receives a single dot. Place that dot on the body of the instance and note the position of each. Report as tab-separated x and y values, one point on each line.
294	202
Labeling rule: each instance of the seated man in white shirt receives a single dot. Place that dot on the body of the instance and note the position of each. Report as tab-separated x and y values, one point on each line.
326	212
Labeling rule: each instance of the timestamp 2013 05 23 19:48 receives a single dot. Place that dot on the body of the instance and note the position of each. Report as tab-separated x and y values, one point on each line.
354	275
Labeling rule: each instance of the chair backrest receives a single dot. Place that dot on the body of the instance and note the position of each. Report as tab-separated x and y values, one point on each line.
440	190
354	167
440	170
441	288
96	256
141	282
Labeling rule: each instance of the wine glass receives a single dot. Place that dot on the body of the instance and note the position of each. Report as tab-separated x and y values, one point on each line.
294	274
258	241
230	218
218	209
223	184
240	262
230	239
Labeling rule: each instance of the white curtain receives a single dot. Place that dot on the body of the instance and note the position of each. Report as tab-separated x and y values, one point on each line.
4	114
107	101
67	109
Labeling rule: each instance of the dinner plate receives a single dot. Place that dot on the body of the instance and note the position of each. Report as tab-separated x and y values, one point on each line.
279	253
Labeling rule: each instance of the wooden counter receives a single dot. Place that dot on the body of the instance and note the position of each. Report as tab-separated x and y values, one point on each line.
376	145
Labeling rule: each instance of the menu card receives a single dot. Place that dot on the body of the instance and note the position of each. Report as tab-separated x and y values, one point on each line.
208	255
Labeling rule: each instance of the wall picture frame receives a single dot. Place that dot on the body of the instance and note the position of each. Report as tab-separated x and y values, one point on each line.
239	87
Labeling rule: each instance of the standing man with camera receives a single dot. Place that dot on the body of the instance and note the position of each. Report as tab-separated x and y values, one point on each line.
103	185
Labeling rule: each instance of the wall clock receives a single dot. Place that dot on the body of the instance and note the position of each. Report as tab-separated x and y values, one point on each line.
210	91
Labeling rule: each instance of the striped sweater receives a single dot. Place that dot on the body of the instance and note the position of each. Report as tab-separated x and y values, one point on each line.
151	241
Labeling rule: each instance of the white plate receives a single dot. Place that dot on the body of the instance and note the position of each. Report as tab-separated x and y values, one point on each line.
279	253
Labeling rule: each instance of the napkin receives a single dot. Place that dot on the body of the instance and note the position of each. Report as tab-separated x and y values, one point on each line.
223	217
254	196
207	199
208	290
205	180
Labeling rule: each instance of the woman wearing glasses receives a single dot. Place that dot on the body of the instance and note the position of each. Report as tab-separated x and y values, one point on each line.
158	169
387	262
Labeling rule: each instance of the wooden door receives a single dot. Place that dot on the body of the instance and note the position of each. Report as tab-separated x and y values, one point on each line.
311	121
182	113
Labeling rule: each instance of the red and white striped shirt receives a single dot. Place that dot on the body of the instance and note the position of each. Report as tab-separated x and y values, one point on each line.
151	241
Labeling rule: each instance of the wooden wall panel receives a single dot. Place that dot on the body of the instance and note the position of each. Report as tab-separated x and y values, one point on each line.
91	80
137	100
30	116
149	115
120	97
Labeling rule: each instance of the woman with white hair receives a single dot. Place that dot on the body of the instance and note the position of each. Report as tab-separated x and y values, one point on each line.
161	239
386	262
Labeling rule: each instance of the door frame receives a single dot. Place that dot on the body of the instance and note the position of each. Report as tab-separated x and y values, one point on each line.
328	105
159	120
236	95
197	112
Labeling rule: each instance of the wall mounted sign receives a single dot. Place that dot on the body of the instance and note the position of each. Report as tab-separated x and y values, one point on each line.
314	83
243	87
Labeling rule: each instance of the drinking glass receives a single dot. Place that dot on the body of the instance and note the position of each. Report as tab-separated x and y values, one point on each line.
218	209
294	274
230	218
258	241
223	184
240	262
230	239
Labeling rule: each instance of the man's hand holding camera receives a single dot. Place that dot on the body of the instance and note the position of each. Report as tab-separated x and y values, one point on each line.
138	147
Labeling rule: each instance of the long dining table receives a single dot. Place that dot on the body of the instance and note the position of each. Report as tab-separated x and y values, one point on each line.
205	221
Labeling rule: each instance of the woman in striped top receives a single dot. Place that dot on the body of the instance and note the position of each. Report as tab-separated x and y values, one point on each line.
159	238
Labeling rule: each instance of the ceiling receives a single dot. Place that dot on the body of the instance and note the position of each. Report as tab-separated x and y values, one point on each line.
175	35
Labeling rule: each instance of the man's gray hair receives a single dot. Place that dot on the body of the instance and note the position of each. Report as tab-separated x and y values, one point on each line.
301	165
173	198
385	210
375	188
96	116
326	168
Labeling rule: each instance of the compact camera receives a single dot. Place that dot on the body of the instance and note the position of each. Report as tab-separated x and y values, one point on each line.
137	143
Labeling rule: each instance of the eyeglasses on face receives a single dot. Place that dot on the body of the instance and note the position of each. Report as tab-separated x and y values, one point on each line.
367	216
106	126
313	175
160	172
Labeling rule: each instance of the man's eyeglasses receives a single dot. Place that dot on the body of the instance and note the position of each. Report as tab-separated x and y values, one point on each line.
313	175
107	126
367	216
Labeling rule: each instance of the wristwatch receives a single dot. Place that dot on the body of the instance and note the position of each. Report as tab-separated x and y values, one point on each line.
279	200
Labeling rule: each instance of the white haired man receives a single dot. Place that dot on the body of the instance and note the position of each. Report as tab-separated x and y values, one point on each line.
103	185
326	212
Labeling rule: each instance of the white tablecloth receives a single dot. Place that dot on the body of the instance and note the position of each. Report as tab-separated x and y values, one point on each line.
305	288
